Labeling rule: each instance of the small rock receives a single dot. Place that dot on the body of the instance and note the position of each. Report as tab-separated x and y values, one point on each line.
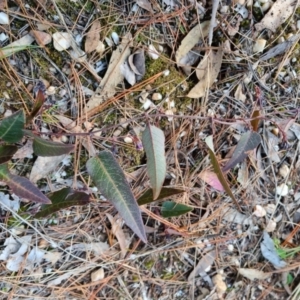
259	45
156	96
147	104
166	73
259	211
7	113
3	37
61	40
152	52
42	38
128	140
6	95
100	47
115	38
117	132
271	226
284	171
97	275
282	190
298	24
4	20
51	90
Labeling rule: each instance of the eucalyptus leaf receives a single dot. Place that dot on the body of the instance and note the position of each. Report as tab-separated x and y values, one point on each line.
11	128
4	172
153	140
111	181
7	152
173	209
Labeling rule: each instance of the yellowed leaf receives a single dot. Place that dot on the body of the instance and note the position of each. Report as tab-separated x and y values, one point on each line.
113	76
199	32
253	274
92	37
209	69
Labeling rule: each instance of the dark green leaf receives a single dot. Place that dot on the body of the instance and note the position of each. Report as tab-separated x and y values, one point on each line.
154	144
221	177
11	128
43	147
111	181
248	141
4	172
62	199
7	152
147	197
23	188
173	209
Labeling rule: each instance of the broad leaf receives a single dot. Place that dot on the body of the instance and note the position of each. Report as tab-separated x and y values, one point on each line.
43	147
62	199
23	188
147	197
153	140
11	128
248	141
4	172
7	152
173	209
212	179
221	177
111	181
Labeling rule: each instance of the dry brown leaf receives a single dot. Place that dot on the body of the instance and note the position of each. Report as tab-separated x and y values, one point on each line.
43	166
253	274
92	37
199	32
209	69
119	234
145	4
239	95
113	76
277	15
220	285
205	262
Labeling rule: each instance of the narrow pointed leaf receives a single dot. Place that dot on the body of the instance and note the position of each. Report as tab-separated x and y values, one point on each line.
62	199
173	209
153	140
249	141
43	147
7	152
111	181
221	177
255	120
11	128
4	172
39	101
23	188
147	197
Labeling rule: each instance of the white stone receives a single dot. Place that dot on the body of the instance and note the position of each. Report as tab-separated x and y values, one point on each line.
166	73
61	40
156	96
284	171
298	24
259	211
147	104
152	52
97	275
282	190
3	37
101	47
128	140
115	38
259	45
4	20
271	226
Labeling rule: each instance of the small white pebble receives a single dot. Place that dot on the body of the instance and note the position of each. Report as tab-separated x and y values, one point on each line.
8	113
51	90
117	132
298	24
61	40
152	52
100	47
266	6
156	96
4	18
3	37
259	45
259	211
147	104
6	95
230	247
128	140
282	190
166	73
97	275
115	38
284	171
271	226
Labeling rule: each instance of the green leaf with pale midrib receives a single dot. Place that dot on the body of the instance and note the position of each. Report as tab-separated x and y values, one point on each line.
23	188
111	181
147	197
154	144
62	199
43	147
11	128
173	209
